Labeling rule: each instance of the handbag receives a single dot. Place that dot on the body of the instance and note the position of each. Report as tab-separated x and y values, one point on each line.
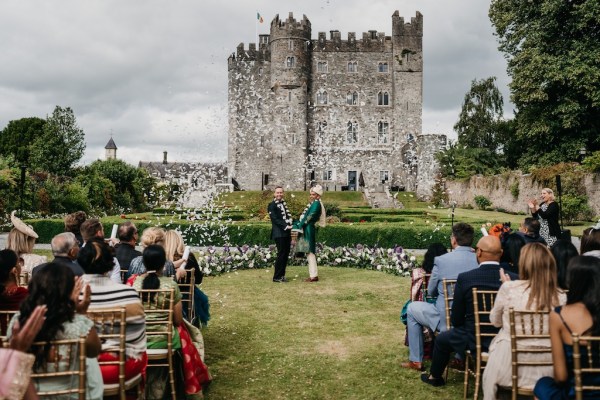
16	373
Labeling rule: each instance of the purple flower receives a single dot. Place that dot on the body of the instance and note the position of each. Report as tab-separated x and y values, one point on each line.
398	249
359	246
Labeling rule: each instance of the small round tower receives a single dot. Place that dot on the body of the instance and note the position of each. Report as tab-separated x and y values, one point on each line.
290	52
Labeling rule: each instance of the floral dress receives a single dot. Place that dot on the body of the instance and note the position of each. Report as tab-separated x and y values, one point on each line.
80	326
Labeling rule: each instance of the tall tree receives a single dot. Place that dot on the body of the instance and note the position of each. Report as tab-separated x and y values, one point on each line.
17	138
554	61
62	144
480	115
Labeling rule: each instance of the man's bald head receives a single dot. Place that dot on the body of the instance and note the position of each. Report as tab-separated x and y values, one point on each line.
488	249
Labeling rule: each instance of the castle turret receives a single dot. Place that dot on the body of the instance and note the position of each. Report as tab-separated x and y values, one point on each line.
290	52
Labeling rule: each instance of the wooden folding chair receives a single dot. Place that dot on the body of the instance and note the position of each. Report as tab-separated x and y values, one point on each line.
186	287
448	286
158	305
424	287
483	302
111	326
526	325
586	365
67	368
24	278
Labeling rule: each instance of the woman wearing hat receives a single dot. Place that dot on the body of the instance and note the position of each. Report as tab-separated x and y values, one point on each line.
312	214
21	239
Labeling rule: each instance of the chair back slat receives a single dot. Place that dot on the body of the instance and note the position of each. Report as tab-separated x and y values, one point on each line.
5	317
67	361
525	326
448	286
591	369
483	302
186	286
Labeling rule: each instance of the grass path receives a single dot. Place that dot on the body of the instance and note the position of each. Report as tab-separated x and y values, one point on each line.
340	338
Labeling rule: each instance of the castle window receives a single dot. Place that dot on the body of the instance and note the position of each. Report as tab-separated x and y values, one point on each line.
409	137
382	132
328	175
352	132
352	98
289	95
322	66
322	98
352	66
382	67
290	62
259	104
383	99
321	127
384	176
260	71
290	44
294	138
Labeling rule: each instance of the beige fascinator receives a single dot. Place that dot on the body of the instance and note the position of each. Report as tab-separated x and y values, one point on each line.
22	226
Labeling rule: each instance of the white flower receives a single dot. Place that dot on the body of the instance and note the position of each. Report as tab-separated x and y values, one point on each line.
413	258
268	256
379	267
338	260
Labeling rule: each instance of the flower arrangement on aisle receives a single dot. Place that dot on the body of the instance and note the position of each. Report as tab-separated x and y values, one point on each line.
395	260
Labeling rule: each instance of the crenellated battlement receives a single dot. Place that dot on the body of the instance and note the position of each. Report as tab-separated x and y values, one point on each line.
371	41
251	53
412	28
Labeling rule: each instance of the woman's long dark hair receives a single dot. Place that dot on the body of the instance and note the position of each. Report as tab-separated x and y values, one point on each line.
154	259
8	260
434	250
52	286
584	287
96	257
511	250
563	251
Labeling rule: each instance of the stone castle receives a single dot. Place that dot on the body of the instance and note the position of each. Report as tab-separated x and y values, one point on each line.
342	113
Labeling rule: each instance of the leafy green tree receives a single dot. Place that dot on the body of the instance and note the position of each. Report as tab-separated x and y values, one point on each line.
17	138
60	146
480	115
461	162
552	52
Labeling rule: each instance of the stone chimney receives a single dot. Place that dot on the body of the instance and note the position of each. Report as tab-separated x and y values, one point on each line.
164	157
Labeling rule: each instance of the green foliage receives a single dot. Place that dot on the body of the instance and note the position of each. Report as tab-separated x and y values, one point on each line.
514	189
575	207
592	162
332	209
552	51
17	138
460	162
480	114
439	195
60	146
482	202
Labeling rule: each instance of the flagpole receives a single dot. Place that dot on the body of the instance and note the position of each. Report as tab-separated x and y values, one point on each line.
256	29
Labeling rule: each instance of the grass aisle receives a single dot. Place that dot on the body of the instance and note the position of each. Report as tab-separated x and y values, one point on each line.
340	338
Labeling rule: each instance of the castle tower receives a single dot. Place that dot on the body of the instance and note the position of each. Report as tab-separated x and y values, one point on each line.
110	150
290	72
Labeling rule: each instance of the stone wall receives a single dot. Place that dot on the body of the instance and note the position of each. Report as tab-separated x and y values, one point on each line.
497	189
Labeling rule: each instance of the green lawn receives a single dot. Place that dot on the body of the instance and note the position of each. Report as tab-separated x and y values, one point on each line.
340	338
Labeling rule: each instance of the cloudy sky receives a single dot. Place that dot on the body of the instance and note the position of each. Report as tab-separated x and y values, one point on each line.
154	73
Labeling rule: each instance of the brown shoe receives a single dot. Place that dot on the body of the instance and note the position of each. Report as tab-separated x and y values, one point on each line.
413	365
315	279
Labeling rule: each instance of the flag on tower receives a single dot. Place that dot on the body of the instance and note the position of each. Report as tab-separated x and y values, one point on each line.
259	18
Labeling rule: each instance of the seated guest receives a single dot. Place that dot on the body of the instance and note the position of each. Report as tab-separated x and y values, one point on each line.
21	240
73	224
462	334
56	287
433	316
125	250
97	261
580	315
150	236
92	228
536	290
65	249
419	274
196	373
174	249
590	241
563	251
530	231
511	250
11	294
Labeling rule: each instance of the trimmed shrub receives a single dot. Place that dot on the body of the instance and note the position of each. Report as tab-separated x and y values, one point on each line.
482	202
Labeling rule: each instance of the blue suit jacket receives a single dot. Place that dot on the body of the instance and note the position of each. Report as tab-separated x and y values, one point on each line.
486	277
448	266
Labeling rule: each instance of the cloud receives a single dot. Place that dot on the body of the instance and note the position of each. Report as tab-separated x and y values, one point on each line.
154	73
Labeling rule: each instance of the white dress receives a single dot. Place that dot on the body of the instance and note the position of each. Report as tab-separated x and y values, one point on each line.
498	369
32	261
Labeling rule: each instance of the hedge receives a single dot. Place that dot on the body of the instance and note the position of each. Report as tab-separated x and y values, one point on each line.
340	234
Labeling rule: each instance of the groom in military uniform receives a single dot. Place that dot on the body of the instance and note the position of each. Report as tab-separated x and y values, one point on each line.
281	221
